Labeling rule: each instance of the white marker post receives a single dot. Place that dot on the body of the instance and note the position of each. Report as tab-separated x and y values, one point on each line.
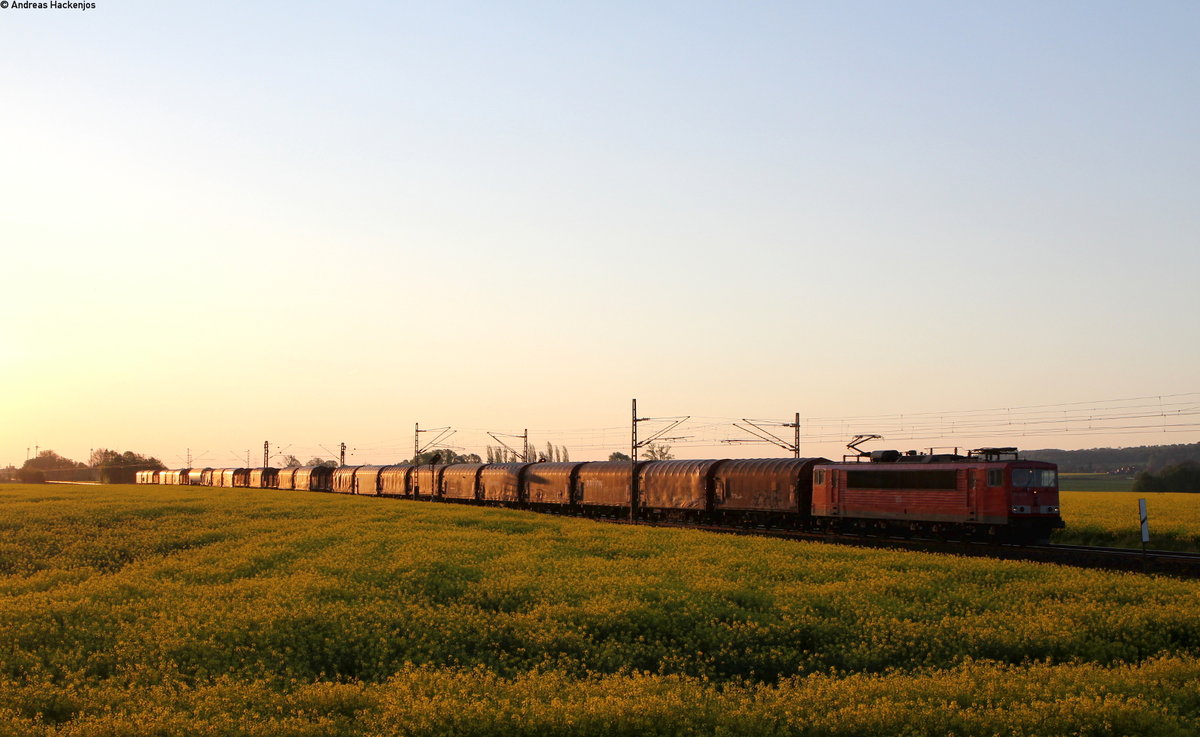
1145	523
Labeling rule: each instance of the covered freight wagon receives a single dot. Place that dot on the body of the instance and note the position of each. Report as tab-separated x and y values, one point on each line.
425	482
343	479
285	478
313	478
366	479
460	481
264	478
750	489
174	477
394	480
501	482
551	483
665	487
606	484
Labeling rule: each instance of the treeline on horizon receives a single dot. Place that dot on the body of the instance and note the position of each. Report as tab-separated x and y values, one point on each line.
1151	459
104	465
112	467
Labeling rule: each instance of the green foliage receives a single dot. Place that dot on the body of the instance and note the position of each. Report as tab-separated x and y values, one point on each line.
197	610
1180	477
617	455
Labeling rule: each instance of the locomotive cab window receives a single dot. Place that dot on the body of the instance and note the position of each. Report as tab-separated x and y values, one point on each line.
1032	477
995	477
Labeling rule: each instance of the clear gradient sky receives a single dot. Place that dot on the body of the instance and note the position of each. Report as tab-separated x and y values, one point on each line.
224	223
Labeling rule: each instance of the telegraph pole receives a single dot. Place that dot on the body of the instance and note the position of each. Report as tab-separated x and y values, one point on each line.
526	436
633	479
342	455
266	453
416	441
189	457
634	444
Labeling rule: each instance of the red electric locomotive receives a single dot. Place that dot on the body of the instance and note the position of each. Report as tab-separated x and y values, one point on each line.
989	494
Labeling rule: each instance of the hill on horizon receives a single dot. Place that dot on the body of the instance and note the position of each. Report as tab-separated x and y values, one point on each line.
1117	460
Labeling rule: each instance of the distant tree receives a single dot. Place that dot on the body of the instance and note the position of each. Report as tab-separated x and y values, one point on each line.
120	468
444	456
557	453
617	455
1180	477
48	460
659	452
491	454
290	461
318	461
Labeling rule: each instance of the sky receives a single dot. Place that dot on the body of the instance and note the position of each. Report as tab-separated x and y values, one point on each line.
952	224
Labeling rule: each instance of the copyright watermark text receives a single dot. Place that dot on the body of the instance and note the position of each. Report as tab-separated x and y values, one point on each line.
48	5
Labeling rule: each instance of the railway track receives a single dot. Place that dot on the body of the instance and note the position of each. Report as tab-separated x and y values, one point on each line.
1166	562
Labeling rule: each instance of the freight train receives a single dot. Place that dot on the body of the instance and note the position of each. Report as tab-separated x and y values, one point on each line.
988	494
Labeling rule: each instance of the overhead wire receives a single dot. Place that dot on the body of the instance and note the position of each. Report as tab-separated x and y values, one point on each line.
1166	413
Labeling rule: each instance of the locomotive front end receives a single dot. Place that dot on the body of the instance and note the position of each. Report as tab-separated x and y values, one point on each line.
1032	489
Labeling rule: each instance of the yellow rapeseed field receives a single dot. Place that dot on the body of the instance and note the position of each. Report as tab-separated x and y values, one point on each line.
1111	518
199	611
